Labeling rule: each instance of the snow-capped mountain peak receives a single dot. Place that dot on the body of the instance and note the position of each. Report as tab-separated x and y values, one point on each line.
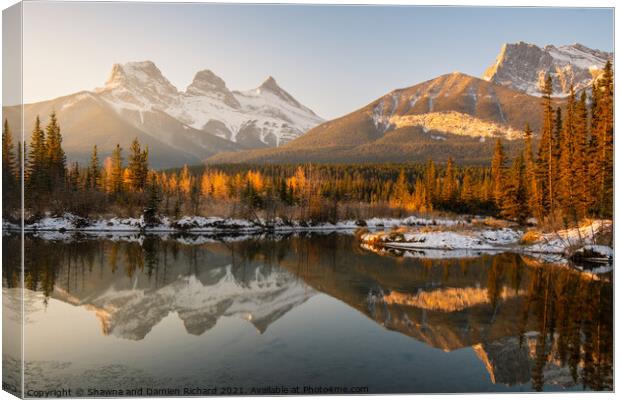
524	66
270	81
138	86
140	73
271	86
206	83
261	117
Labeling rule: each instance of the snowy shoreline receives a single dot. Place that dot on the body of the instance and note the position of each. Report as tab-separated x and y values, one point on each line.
558	246
410	237
214	225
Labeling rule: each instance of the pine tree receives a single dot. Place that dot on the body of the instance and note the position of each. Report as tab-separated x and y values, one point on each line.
554	170
532	189
467	190
449	187
21	155
56	159
566	157
431	179
593	150
602	128
93	175
185	181
116	170
546	151
250	196
194	196
400	196
421	200
580	161
37	169
153	200
73	178
138	167
486	189
498	167
10	180
514	203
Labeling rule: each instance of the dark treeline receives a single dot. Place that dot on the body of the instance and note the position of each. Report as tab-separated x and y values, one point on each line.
568	178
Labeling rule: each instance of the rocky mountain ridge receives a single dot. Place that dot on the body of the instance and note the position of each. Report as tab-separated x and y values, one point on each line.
524	66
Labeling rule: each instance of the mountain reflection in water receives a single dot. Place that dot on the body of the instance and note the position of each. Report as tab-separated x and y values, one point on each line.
533	326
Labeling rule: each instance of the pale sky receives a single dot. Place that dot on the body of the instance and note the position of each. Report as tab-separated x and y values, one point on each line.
333	59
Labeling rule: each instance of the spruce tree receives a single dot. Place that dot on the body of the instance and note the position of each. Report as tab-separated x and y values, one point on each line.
10	180
514	204
185	182
449	188
603	129
532	189
554	167
56	159
9	163
73	179
37	169
580	162
400	194
144	165
467	190
93	178
498	166
593	151
116	173
21	155
137	168
566	158
153	200
546	151
431	179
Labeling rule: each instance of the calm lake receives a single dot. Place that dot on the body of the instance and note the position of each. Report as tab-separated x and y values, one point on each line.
269	313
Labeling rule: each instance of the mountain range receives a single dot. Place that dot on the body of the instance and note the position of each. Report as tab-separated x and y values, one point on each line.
179	127
452	115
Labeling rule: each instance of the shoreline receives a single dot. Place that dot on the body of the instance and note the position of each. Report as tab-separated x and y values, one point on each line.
576	245
215	225
409	236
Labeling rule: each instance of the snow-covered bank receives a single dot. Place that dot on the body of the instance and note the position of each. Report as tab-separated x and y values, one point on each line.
560	242
469	241
214	225
195	224
445	240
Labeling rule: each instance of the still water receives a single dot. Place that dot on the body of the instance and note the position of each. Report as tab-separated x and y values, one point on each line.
186	315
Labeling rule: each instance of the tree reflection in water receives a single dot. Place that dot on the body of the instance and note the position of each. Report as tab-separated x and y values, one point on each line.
525	320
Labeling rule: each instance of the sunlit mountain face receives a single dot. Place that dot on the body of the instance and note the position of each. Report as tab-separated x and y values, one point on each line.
290	308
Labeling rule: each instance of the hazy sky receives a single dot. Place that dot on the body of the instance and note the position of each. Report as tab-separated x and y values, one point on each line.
333	59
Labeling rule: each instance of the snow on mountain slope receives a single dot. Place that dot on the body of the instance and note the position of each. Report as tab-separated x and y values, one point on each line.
138	86
452	115
457	104
283	113
263	117
523	66
456	123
